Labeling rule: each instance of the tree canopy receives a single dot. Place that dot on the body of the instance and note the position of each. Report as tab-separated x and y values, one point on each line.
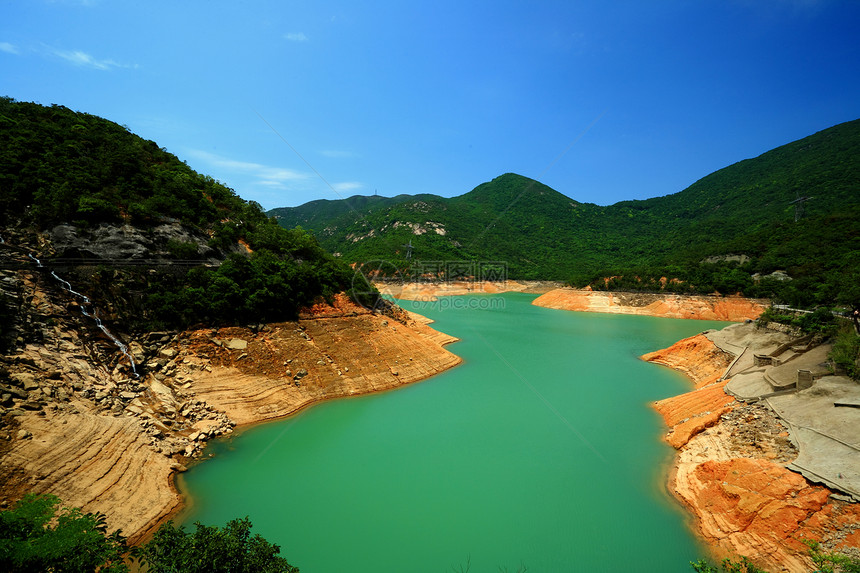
37	534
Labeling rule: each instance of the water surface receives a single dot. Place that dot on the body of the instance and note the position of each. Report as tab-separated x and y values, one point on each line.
539	450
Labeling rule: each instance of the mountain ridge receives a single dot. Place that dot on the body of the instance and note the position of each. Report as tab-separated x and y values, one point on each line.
541	233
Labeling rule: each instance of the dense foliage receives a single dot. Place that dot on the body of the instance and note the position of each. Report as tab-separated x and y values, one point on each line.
38	535
59	166
212	550
726	233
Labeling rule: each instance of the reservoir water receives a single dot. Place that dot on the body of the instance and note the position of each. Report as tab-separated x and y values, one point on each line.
540	450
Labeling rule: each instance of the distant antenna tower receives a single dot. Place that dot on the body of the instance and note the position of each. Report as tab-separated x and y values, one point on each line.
798	206
408	248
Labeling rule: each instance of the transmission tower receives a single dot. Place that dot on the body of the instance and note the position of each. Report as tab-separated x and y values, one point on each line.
798	206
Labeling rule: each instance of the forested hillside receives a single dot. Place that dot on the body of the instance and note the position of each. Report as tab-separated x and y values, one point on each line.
66	174
727	232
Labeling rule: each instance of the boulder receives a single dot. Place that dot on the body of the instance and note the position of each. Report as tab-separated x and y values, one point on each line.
25	380
168	353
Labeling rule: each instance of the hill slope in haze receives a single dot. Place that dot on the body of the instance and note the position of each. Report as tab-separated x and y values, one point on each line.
744	209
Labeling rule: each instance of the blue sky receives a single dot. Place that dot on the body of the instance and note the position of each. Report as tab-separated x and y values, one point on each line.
288	102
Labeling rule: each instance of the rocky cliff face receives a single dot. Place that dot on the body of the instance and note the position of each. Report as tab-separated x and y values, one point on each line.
731	308
730	470
76	422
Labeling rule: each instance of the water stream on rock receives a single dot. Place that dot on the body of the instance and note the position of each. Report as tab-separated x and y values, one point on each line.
539	450
92	316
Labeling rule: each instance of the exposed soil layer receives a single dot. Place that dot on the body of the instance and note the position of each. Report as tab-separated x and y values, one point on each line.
730	308
76	422
730	471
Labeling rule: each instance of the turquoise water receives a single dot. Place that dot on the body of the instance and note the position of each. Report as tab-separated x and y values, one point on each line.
539	450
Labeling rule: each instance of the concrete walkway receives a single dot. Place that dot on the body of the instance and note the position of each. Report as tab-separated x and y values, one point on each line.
828	436
824	420
785	375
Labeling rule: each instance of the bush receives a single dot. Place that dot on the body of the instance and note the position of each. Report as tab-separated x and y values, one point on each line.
846	351
38	535
212	550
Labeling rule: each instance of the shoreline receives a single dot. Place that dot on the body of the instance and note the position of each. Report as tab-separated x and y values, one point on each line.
429	290
346	392
729	472
108	443
268	372
697	307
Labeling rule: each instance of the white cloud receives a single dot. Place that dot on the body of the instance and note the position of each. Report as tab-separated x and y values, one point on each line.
347	186
83	59
296	37
266	175
8	48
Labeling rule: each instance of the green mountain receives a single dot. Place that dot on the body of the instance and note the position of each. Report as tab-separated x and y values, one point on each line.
133	226
748	209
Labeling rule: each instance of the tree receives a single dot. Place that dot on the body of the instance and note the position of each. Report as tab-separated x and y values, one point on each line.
212	550
38	535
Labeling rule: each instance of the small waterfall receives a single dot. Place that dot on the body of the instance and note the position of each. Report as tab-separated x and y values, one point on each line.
86	301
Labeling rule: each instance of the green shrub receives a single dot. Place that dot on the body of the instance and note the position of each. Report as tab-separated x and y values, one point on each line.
846	351
38	535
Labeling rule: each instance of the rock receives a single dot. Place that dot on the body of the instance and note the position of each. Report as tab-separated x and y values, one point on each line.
15	392
25	380
189	450
23	434
137	352
31	405
237	344
127	396
300	374
194	437
168	353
